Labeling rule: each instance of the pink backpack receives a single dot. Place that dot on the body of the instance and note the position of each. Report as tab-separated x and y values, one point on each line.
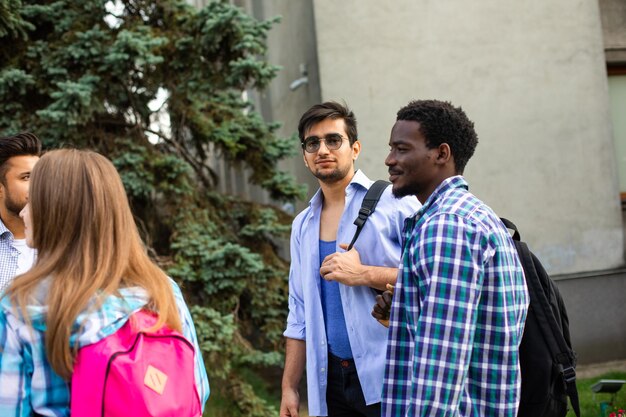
138	374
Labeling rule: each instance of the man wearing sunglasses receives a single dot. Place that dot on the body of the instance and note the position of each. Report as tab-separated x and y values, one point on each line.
331	290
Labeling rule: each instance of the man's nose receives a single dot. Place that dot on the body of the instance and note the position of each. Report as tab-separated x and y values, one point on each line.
323	150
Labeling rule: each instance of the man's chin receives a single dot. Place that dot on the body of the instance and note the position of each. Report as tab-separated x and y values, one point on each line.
14	208
400	191
331	177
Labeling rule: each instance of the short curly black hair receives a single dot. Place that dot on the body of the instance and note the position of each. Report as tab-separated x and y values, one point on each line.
441	122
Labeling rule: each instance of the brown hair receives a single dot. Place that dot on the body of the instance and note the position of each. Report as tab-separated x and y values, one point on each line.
328	110
17	145
88	246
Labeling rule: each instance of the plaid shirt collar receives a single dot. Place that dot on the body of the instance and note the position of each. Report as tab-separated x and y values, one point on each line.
446	185
449	183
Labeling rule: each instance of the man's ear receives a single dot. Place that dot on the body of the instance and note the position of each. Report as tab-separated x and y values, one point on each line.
356	149
444	154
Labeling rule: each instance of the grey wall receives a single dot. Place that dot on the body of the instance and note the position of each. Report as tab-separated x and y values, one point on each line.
532	77
597	314
614	26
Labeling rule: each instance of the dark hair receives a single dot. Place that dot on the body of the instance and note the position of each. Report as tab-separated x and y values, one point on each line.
441	122
24	143
328	110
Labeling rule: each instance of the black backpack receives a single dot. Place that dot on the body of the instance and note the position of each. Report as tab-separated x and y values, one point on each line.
547	359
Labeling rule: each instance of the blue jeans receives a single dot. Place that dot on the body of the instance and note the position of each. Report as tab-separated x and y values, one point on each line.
344	394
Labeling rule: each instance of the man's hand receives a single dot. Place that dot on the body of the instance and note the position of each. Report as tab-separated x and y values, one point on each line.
290	403
344	267
382	308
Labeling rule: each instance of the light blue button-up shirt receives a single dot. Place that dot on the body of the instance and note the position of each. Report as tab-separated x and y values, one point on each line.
8	257
379	244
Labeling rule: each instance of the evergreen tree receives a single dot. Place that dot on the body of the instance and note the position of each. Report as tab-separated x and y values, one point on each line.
86	73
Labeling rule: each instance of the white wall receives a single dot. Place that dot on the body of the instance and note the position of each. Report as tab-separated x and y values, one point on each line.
529	74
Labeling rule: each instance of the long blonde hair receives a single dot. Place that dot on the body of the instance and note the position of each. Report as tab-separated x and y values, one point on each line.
88	245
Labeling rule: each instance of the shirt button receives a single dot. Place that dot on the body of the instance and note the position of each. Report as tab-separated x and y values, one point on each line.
323	370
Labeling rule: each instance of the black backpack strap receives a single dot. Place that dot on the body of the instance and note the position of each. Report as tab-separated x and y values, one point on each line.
367	207
572	391
510	225
550	329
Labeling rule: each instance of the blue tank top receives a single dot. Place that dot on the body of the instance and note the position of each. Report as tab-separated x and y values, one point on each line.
334	321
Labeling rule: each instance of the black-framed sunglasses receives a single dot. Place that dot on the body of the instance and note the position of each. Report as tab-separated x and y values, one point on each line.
333	142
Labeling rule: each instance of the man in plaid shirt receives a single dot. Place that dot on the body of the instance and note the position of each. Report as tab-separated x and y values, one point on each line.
460	302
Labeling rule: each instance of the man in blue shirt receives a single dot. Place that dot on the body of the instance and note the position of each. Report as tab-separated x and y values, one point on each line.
18	155
460	302
330	290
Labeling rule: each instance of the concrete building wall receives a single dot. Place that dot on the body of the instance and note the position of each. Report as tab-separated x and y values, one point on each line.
614	25
531	75
595	305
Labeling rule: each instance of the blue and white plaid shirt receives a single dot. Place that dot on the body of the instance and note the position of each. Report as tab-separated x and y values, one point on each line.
8	257
29	386
458	313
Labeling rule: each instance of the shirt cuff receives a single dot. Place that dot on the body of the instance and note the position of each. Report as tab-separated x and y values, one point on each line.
295	331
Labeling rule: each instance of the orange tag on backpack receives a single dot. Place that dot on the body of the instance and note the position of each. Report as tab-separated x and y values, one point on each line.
155	380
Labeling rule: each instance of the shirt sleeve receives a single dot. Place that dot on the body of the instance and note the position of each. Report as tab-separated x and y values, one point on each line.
28	385
189	331
448	273
296	328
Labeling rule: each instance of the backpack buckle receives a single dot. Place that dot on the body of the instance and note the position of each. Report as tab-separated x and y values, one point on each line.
363	215
569	374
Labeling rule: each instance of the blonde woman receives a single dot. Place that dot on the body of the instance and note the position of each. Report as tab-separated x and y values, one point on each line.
92	272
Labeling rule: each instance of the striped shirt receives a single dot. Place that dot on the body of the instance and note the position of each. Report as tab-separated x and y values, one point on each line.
28	384
458	312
